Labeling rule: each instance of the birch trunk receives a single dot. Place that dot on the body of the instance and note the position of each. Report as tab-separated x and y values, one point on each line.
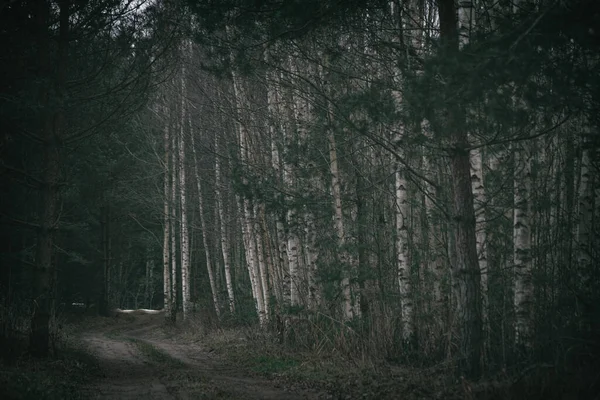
311	250
477	185
223	228
402	260
280	276
401	227
244	204
282	239
348	264
173	224
348	309
204	228
293	241
185	250
523	297
251	256
262	267
401	208
253	260
281	268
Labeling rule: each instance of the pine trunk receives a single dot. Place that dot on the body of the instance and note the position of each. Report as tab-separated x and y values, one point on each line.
586	211
53	122
466	274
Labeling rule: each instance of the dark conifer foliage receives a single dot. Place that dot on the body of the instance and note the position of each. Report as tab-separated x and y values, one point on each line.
71	72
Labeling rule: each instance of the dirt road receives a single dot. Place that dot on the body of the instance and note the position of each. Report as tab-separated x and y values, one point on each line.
138	363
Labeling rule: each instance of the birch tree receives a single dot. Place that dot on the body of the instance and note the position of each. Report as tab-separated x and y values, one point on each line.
173	224
205	233
275	128
244	204
338	218
402	208
225	246
289	184
523	299
185	249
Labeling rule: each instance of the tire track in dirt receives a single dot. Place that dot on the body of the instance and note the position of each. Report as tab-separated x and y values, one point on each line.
126	375
198	374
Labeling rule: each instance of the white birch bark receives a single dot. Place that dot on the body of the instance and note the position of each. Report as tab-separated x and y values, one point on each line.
253	263
523	296
292	250
466	21
244	206
184	242
223	229
282	276
310	248
167	294
207	250
402	213
293	240
402	259
251	256
348	309
173	218
477	184
262	267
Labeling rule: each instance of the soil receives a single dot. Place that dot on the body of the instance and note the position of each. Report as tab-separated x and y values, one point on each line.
187	371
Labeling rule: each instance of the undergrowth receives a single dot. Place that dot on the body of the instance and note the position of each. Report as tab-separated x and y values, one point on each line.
60	377
316	355
333	373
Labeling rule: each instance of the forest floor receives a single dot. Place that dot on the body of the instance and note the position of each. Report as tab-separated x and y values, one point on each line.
134	355
138	359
